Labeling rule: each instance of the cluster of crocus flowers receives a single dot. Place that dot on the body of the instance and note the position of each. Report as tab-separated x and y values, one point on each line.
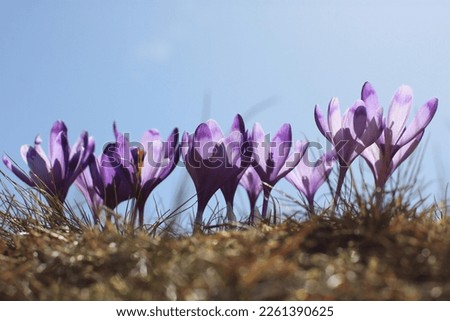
254	160
215	161
109	179
350	134
120	173
383	142
272	159
154	160
253	185
397	141
307	176
53	175
123	172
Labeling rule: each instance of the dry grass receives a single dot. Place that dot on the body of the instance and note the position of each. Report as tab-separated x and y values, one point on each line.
315	260
400	253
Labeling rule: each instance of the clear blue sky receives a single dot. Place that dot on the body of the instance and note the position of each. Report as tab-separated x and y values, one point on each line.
150	64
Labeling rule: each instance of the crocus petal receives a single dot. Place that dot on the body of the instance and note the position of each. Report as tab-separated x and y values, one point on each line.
356	126
260	147
232	146
238	124
121	190
123	149
98	180
116	132
18	172
271	159
252	183
378	164
23	152
295	177
253	186
184	148
86	185
258	134
284	134
420	121
171	153
108	162
79	145
84	146
319	173
153	161
359	121
215	130
373	131
345	140
321	122
399	111
203	140
372	154
40	172
55	140
59	156
40	151
308	177
279	152
159	161
370	98
346	146
405	151
150	136
294	159
89	149
82	157
334	116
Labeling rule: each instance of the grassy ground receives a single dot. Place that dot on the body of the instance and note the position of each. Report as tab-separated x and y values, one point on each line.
387	248
331	259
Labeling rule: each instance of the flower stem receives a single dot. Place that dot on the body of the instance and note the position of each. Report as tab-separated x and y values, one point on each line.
141	217
201	205
251	218
340	182
311	209
267	190
230	213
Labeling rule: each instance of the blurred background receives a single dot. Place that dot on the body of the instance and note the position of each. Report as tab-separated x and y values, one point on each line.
161	64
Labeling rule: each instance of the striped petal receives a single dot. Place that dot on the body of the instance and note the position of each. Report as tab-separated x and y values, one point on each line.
399	111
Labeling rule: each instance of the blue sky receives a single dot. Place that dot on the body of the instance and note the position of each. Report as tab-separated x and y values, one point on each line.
157	64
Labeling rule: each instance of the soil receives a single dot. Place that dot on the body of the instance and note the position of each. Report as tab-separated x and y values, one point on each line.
409	259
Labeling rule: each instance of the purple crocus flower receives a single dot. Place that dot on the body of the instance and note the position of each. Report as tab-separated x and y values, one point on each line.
397	141
237	165
350	134
307	177
212	159
271	158
154	162
111	177
90	191
56	173
252	183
